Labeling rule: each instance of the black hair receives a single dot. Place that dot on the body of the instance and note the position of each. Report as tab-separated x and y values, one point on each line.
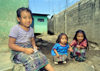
23	9
59	37
81	31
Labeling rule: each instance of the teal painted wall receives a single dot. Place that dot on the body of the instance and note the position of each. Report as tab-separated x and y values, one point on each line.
8	15
40	27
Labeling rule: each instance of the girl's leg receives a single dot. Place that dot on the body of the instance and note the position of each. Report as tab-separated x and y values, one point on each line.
83	51
49	67
81	55
56	60
72	55
77	54
32	62
64	58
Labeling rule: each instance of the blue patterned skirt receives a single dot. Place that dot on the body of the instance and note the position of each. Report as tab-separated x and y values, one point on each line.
78	54
61	58
32	62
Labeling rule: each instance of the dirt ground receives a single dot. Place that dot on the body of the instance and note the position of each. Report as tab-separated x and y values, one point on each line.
46	42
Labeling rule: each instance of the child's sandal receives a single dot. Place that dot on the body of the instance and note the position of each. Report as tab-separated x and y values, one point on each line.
64	62
55	62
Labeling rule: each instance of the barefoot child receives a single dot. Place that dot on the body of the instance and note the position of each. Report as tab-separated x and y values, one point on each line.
22	43
79	45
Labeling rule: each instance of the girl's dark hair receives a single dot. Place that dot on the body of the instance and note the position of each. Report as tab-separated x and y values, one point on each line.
23	9
80	31
59	37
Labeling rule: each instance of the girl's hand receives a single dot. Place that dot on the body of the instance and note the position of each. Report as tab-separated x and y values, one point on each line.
36	47
78	46
57	55
82	47
28	50
70	49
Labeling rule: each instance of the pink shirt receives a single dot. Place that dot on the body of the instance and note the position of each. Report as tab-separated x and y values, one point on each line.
74	43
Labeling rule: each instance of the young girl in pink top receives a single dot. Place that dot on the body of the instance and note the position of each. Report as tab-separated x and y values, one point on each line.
79	44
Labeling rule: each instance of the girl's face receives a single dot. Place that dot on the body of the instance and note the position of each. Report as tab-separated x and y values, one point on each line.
25	19
63	39
80	37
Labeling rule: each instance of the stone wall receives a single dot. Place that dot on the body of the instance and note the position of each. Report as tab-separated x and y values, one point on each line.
82	15
60	23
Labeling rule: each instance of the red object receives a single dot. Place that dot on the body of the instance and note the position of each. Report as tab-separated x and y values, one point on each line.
77	53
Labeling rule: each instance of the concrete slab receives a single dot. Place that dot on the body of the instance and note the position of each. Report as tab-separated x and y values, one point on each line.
5	62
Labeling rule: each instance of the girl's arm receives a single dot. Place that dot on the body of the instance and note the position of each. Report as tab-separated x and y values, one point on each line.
84	44
33	43
70	49
82	47
15	47
56	52
73	43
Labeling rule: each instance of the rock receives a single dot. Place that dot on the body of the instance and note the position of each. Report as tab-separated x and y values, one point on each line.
89	62
96	62
45	44
97	48
38	43
38	40
94	47
18	67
